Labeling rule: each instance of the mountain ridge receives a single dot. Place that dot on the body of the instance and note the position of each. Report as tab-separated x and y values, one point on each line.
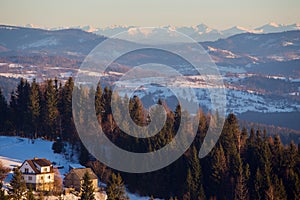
200	32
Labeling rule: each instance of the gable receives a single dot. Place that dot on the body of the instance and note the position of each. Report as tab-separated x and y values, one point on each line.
28	167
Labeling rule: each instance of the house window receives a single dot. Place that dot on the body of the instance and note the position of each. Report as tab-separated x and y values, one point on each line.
26	170
45	170
42	177
49	177
29	178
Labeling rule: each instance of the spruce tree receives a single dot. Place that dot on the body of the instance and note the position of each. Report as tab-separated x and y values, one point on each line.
116	189
258	186
87	188
65	108
18	185
34	106
30	195
279	190
293	186
230	135
51	110
277	155
218	172
188	183
241	188
20	106
196	187
3	111
98	102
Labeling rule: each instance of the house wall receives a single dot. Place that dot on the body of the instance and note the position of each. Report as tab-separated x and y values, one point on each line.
39	178
45	169
72	181
45	178
75	183
27	178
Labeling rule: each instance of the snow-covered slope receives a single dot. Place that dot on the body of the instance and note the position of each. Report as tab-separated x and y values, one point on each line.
14	150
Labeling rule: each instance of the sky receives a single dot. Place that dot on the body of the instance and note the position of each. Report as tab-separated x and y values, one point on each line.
220	14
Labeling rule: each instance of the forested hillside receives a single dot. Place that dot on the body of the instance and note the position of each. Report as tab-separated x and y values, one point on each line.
244	164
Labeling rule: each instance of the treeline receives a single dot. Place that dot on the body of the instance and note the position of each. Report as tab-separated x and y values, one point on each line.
39	110
242	165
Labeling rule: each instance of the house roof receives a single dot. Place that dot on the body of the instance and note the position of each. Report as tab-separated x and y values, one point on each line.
79	172
42	162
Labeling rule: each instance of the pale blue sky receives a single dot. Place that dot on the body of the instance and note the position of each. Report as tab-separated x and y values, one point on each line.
219	14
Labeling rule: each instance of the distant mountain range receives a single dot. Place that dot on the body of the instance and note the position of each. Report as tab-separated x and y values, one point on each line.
199	32
260	70
237	50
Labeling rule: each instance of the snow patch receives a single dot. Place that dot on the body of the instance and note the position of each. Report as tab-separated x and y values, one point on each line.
50	41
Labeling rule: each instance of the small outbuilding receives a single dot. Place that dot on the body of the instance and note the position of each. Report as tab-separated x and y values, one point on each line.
74	178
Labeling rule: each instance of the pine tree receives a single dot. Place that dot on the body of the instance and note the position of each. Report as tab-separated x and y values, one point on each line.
20	107
51	110
116	189
244	136
137	112
18	185
293	186
277	155
218	172
177	118
30	195
279	190
3	111
230	136
87	188
291	156
189	183
241	188
196	188
258	185
106	103
65	109
98	102
34	106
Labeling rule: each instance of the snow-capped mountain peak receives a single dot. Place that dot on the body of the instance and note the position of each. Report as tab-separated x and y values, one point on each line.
200	32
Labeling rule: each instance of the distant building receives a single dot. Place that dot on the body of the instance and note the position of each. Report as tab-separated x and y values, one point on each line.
74	178
38	173
75	166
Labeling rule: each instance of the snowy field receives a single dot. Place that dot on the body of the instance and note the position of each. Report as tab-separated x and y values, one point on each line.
14	150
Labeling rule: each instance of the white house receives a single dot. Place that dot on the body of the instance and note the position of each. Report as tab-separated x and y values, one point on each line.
38	173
